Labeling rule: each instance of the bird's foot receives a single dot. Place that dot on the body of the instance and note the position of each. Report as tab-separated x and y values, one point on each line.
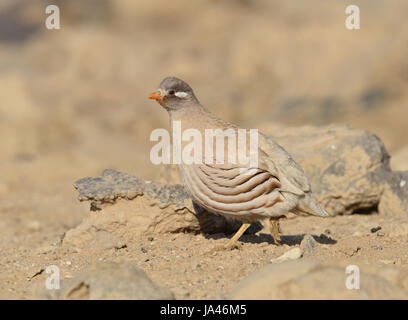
233	242
276	230
277	239
226	246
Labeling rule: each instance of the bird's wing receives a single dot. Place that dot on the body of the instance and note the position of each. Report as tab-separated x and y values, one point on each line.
275	159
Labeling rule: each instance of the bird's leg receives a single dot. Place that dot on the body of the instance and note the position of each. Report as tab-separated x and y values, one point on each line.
275	229
232	242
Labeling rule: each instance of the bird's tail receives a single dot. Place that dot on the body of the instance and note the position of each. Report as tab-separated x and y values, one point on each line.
310	206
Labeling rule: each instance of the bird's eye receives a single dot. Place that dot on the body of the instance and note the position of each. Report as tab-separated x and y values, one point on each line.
171	92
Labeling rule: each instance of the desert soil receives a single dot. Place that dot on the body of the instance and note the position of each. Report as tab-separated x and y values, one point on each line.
36	222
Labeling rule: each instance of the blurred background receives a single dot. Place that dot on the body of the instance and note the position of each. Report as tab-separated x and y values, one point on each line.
74	100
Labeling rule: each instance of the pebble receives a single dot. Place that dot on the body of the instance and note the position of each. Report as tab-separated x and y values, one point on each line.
373	230
308	244
292	254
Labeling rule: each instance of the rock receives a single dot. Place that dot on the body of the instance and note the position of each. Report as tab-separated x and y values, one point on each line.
346	167
292	254
128	207
375	229
310	279
108	281
113	186
394	200
308	244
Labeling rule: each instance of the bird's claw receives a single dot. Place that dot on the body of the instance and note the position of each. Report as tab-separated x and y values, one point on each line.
226	246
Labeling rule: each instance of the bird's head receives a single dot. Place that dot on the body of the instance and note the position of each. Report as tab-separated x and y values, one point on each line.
173	93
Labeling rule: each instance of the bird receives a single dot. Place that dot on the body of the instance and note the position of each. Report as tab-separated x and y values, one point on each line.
267	192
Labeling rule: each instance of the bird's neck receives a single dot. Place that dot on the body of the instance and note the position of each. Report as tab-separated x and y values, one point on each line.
189	116
196	116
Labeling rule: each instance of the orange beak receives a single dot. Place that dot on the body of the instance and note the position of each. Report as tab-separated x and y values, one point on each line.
155	95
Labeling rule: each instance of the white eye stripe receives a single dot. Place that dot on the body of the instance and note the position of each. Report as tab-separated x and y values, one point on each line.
181	94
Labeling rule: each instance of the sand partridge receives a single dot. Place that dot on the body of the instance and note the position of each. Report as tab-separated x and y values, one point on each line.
276	186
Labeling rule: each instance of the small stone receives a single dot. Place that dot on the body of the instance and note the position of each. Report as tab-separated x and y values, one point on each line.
374	230
150	239
308	244
144	249
292	254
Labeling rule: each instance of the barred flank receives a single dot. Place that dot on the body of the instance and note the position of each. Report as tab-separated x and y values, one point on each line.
229	190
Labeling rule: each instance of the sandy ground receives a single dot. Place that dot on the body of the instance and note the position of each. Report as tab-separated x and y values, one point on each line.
181	262
34	222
